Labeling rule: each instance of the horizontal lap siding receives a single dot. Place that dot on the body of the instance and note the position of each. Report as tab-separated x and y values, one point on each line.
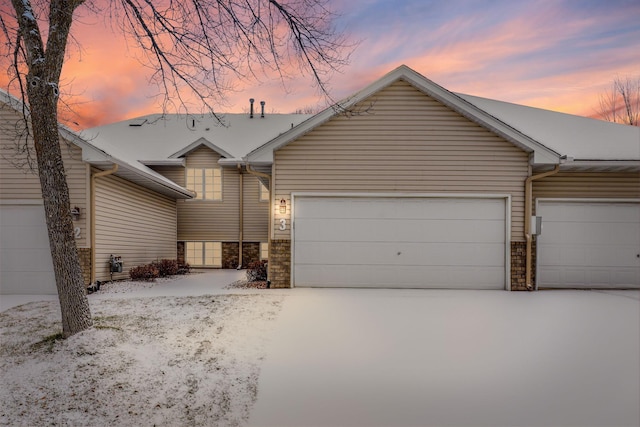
405	142
256	213
133	222
588	185
20	183
209	220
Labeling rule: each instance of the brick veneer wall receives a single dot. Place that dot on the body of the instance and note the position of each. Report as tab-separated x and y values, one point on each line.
181	252
518	266
85	264
230	254
280	263
250	253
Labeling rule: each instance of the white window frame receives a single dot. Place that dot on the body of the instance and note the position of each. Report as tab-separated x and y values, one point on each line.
264	250
264	192
203	253
205	182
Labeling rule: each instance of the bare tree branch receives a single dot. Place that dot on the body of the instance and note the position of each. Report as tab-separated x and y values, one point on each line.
621	103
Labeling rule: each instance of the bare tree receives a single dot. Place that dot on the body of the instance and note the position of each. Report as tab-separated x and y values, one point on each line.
193	48
621	104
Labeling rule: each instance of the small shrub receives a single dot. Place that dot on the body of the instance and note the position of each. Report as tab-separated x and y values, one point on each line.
184	268
257	271
144	272
166	267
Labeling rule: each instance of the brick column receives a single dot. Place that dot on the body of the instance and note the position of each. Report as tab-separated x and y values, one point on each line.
280	263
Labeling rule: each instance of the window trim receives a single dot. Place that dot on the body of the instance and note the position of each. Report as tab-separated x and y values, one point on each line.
217	248
203	175
264	246
264	193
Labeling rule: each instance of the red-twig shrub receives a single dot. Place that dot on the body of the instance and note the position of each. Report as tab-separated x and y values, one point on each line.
144	272
257	271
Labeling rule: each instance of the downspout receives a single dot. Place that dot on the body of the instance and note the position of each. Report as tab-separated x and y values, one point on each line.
241	218
528	194
268	178
92	187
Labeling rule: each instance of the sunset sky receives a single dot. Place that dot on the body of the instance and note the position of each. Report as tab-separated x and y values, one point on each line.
554	54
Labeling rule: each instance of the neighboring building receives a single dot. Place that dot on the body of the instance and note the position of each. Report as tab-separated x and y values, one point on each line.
404	184
145	189
124	209
414	186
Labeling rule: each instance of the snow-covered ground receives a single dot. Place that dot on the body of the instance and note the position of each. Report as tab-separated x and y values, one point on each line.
366	357
159	360
186	352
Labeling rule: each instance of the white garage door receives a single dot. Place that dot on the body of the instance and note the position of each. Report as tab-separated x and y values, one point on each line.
25	264
399	242
589	244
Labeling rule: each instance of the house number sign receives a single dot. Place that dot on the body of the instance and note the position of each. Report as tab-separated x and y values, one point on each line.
76	232
283	224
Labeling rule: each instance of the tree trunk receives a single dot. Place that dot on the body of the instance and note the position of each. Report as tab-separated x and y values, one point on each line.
74	305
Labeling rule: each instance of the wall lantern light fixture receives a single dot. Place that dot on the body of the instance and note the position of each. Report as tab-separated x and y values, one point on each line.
283	206
75	213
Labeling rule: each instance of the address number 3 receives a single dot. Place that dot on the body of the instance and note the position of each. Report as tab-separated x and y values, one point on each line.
283	224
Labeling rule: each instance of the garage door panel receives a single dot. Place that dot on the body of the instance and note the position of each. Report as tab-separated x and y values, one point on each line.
25	265
375	230
589	244
398	277
399	242
412	208
407	254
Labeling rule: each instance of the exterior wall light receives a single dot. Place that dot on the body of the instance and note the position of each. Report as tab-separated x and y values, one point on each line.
75	213
283	206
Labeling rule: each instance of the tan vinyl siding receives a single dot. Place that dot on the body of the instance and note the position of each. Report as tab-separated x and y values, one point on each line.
256	213
174	173
133	222
210	220
21	183
588	185
402	141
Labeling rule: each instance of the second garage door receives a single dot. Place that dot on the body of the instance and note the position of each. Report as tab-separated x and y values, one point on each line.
25	261
400	242
589	244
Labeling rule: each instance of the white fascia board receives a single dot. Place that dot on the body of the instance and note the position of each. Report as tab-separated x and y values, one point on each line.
264	153
164	162
231	162
201	141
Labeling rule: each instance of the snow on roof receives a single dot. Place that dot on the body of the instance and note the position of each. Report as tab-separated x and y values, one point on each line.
159	137
576	137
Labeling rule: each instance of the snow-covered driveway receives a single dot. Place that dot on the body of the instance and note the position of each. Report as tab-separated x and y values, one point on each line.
453	358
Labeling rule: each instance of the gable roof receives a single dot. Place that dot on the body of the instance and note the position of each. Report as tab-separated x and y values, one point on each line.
135	172
550	137
156	138
576	137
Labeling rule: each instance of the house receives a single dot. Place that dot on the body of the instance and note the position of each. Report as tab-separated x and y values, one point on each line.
406	184
403	184
129	188
225	224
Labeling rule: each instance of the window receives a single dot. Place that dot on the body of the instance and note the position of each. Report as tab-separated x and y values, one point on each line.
264	193
207	183
264	251
204	254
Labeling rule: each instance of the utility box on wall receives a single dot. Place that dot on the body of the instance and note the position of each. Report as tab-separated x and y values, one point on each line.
115	264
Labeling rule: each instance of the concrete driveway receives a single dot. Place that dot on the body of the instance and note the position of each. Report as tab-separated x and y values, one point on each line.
453	358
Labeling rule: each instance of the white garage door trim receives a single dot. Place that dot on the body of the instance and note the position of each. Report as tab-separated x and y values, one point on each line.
26	259
539	255
505	198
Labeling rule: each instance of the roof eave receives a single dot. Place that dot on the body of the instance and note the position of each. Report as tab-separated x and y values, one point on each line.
542	154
